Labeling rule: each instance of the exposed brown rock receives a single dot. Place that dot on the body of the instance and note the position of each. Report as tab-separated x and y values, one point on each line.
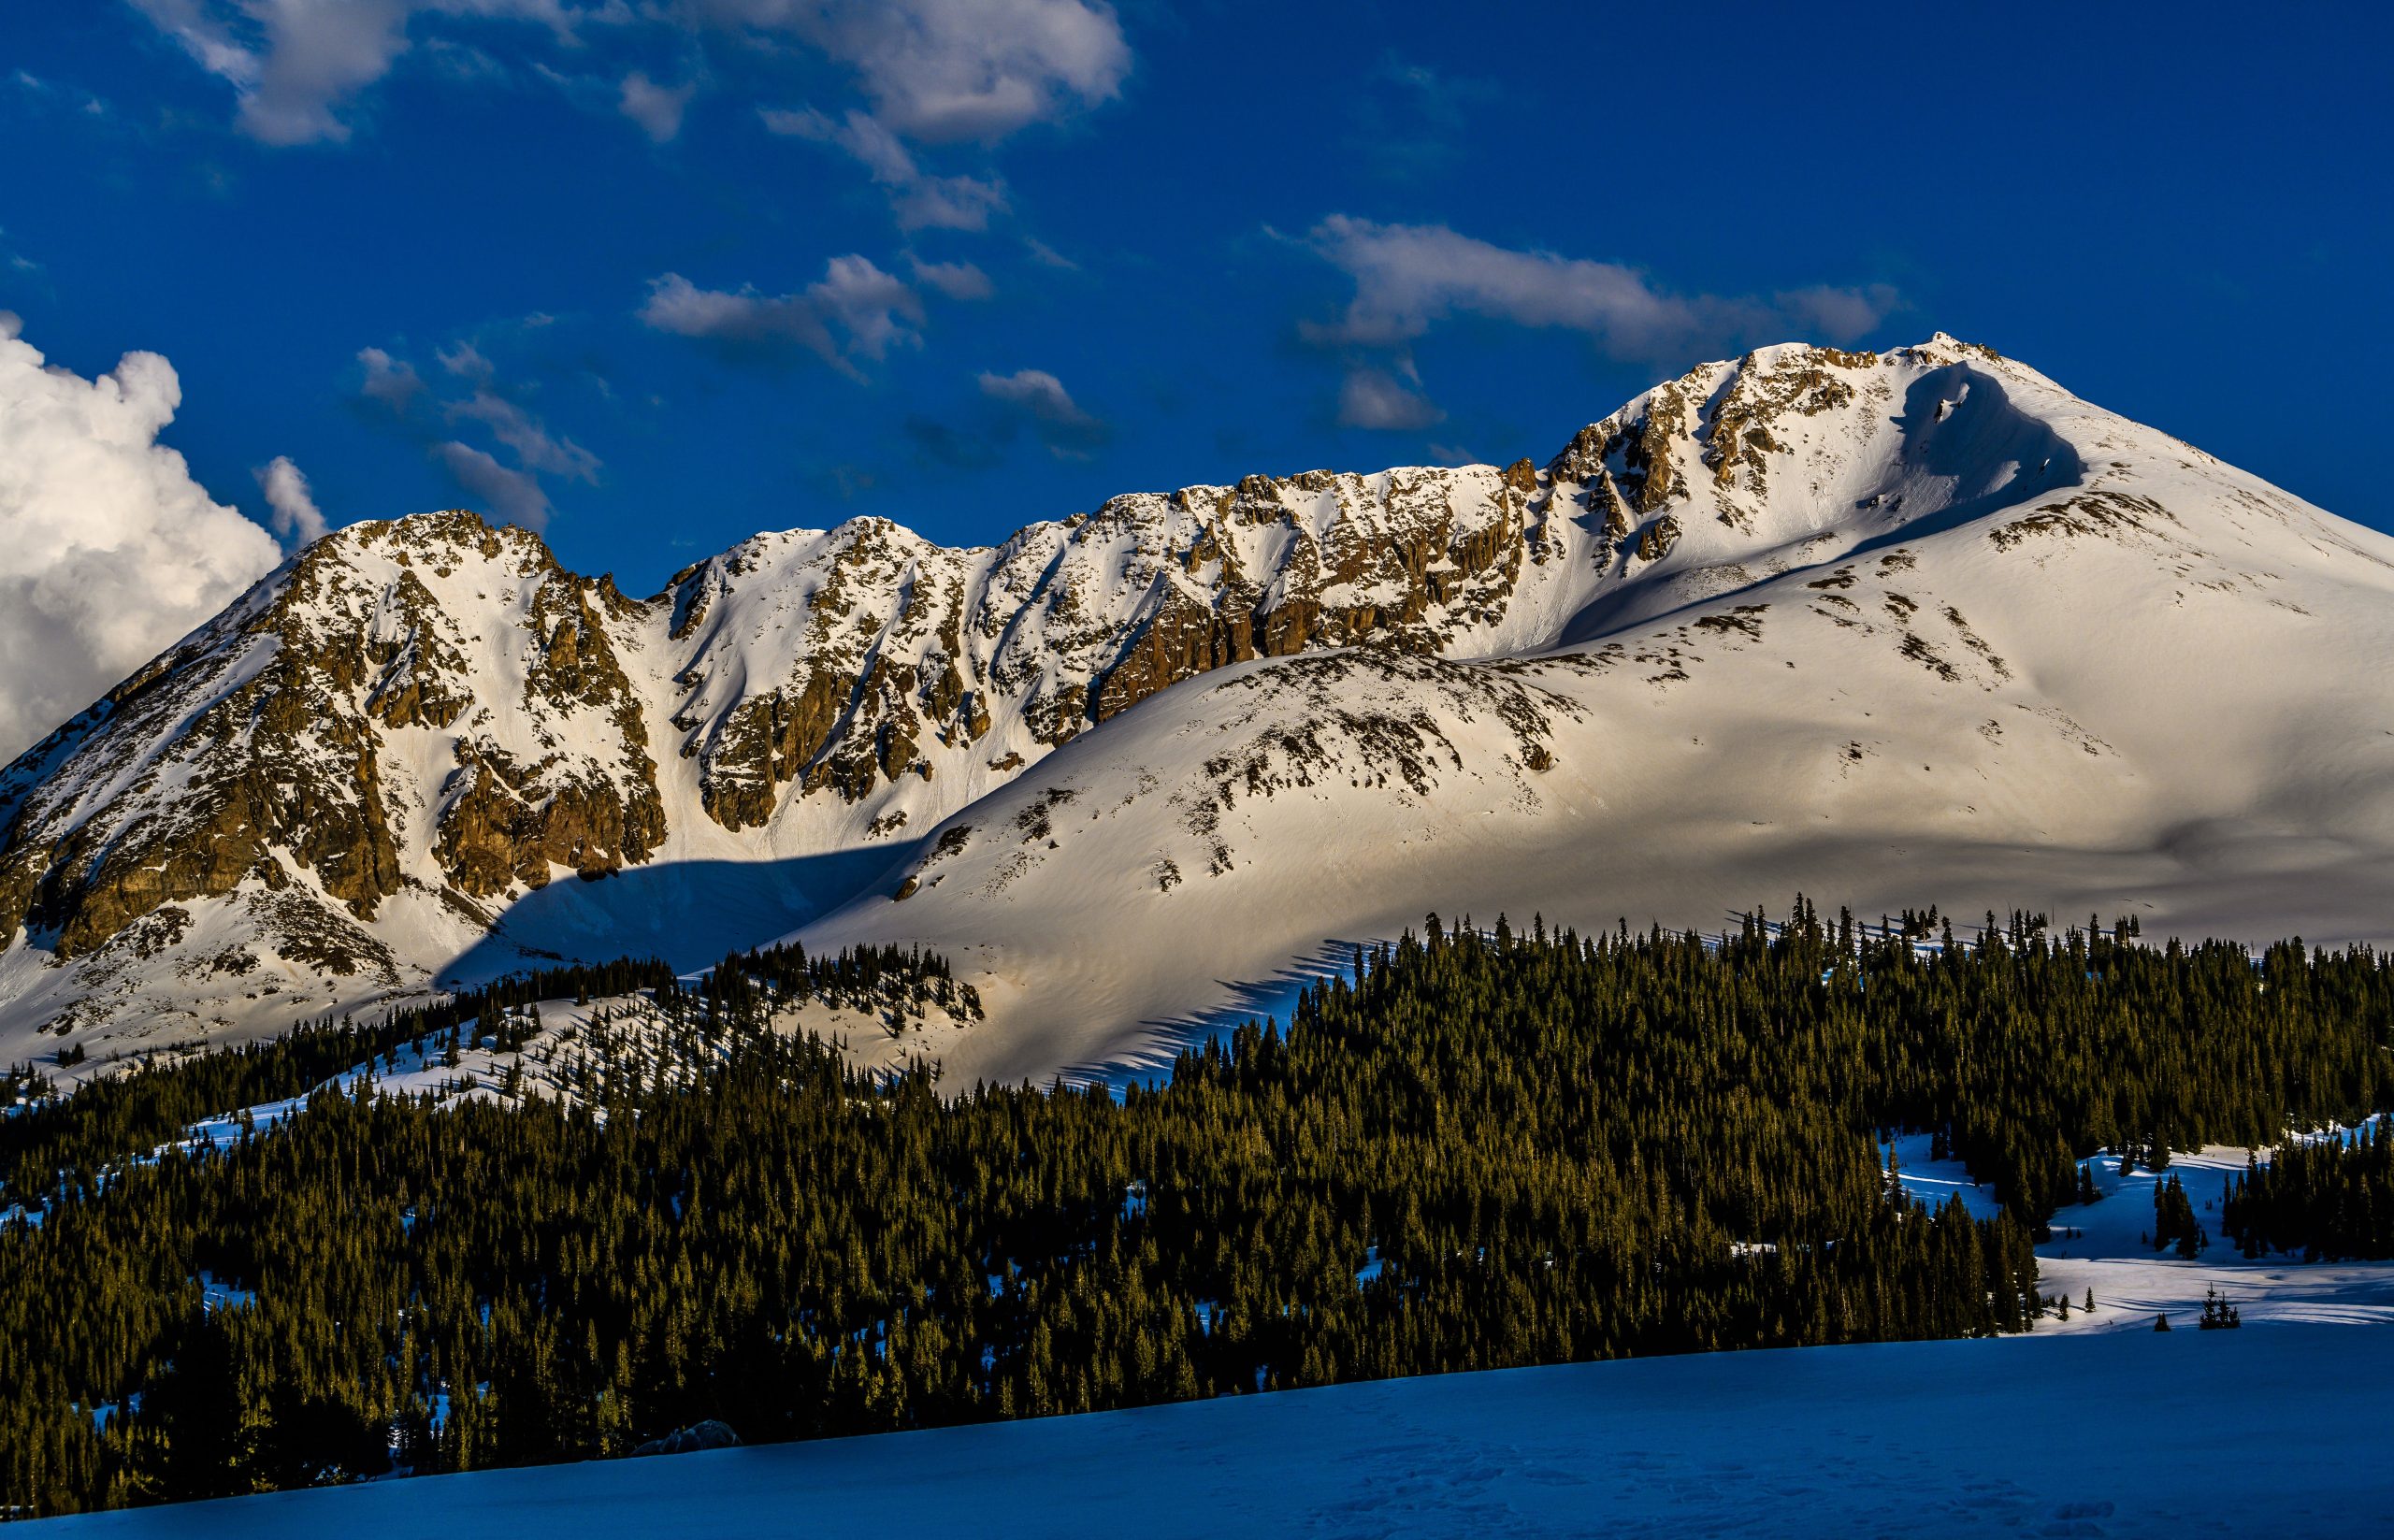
1658	539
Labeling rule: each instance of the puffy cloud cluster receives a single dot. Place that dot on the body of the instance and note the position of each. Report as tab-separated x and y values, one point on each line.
109	551
943	71
1409	277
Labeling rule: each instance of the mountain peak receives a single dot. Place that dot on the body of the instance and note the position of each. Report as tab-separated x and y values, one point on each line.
387	765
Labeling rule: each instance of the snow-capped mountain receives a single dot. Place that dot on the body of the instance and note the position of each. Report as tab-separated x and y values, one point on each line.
1910	627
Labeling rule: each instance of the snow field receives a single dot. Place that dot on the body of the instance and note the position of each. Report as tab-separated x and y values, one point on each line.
2274	1429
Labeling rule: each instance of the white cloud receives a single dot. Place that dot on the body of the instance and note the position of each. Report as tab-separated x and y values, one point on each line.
1048	256
1409	276
293	64
1841	315
297	518
465	360
524	433
876	149
389	380
943	71
515	497
1062	425
1375	398
949	203
110	552
854	310
933	70
919	200
657	108
871	306
956	280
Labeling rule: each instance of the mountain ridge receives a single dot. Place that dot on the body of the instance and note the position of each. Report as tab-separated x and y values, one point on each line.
370	772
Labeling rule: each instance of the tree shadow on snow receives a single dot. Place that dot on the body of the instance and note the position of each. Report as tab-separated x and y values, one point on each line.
1149	1058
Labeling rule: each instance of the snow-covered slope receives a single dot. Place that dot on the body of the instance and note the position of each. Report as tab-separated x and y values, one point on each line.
334	791
2268	1430
1915	628
1910	627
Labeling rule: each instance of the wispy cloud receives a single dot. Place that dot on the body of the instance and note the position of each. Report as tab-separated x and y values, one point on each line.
296	65
393	381
515	497
1048	256
937	71
855	311
1038	399
657	108
956	280
1027	402
513	491
918	200
1410	277
1376	398
524	433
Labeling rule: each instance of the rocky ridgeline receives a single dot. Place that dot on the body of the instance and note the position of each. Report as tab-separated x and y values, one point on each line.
432	706
848	659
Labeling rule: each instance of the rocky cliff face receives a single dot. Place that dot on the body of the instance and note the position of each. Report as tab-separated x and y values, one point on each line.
848	661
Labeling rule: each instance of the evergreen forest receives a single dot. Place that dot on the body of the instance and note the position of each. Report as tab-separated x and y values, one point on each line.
1475	1148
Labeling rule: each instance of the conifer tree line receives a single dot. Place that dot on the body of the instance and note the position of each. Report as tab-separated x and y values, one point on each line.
66	1139
2331	1199
1479	1150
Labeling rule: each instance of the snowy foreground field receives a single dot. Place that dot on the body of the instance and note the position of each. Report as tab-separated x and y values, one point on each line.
2274	1429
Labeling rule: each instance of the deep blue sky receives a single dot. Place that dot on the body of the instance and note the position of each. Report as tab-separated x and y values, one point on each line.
1236	238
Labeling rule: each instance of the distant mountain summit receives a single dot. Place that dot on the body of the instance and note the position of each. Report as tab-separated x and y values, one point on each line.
1909	626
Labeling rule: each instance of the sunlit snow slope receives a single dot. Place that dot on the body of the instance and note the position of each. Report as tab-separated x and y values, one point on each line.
1921	629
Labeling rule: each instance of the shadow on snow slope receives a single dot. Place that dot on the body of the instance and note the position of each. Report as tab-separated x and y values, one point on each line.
689	913
1988	454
